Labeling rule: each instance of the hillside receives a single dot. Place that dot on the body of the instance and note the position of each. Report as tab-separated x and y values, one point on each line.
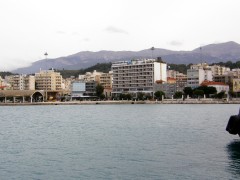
212	53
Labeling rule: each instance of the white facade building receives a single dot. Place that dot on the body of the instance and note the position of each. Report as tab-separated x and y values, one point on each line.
137	76
197	74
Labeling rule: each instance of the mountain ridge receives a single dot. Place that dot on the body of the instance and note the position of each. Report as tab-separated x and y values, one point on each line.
211	53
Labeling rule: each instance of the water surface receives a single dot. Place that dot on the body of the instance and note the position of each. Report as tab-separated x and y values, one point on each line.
118	142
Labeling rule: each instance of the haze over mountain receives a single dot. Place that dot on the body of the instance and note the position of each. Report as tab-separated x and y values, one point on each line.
211	53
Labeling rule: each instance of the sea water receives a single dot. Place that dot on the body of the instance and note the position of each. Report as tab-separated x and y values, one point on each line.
118	142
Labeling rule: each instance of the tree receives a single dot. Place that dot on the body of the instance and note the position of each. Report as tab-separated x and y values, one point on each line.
158	95
140	95
188	91
220	95
198	92
207	90
128	96
99	90
178	95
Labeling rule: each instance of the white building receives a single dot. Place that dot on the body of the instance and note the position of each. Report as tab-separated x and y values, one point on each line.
78	89
197	74
137	76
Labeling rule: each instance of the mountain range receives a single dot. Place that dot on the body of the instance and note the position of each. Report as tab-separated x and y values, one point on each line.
212	53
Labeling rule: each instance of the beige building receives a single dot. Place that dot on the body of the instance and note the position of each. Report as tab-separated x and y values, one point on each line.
1	82
88	76
181	81
236	85
219	70
23	82
106	79
48	80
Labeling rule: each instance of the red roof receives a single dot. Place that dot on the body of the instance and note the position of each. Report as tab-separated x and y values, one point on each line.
211	83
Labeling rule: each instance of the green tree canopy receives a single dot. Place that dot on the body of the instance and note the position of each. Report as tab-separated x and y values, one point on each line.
207	90
99	90
220	95
188	91
158	95
198	92
178	95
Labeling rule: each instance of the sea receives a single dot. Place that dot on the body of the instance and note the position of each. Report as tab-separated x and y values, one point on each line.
147	141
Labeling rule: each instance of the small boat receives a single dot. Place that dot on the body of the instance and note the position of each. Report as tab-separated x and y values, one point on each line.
233	126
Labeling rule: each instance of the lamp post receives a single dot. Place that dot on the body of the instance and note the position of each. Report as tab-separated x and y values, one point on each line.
152	49
46	54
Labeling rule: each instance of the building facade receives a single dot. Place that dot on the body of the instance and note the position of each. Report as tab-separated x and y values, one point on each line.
197	74
88	76
137	76
48	80
24	82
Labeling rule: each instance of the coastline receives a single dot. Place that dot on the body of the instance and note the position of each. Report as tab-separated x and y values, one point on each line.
165	101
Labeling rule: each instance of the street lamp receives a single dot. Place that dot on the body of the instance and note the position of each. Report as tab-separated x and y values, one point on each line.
46	54
152	49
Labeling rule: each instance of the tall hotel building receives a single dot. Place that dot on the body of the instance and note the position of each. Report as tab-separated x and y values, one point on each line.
48	80
137	76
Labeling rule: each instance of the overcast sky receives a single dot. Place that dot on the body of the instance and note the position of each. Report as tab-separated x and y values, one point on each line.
29	28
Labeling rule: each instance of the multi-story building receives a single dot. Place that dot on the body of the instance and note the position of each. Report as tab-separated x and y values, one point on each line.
137	76
88	76
236	85
9	82
48	80
23	82
219	70
228	78
181	81
106	79
90	88
172	73
197	74
78	89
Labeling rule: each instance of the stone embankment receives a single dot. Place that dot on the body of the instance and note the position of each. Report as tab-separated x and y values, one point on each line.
165	101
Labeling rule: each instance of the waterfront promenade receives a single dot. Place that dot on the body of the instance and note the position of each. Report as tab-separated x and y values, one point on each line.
165	101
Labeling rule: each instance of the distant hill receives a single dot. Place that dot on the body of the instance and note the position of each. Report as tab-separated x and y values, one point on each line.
212	53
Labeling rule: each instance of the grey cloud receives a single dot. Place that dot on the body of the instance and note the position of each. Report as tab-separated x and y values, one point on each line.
176	43
112	29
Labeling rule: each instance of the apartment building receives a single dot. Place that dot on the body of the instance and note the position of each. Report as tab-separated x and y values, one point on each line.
106	79
197	74
181	81
48	80
23	82
219	70
90	76
137	76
